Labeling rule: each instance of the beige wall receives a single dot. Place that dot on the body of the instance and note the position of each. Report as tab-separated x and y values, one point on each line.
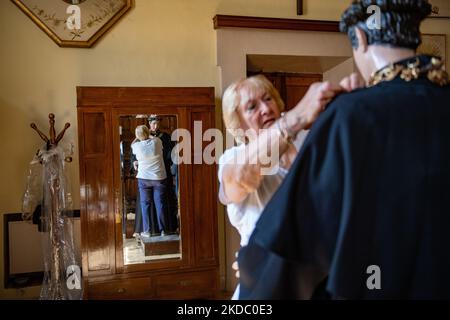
340	71
158	43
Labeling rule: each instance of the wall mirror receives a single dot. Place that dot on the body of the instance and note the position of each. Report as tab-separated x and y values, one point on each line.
149	187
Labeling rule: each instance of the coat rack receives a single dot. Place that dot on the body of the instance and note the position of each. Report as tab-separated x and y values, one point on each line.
53	206
52	142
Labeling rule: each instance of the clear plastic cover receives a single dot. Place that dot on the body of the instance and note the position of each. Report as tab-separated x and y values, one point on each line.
48	189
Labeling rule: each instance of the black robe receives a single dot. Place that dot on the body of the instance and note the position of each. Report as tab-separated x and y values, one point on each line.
370	187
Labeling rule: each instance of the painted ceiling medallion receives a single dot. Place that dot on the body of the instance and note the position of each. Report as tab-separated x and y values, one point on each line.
74	23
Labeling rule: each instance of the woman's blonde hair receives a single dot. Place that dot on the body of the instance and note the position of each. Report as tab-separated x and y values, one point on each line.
142	132
232	99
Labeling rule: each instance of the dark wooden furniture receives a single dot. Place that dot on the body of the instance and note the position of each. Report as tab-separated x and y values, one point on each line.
196	274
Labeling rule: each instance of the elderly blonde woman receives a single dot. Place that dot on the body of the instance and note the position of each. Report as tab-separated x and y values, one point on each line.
151	178
255	104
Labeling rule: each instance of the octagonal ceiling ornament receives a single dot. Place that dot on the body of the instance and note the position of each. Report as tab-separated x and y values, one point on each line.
74	23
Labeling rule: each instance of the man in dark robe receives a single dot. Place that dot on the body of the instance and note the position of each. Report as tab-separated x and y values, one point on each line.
171	195
364	212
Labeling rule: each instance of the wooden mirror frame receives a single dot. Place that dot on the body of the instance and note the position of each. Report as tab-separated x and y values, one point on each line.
183	200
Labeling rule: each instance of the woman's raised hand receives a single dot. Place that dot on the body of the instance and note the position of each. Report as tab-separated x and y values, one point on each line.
303	115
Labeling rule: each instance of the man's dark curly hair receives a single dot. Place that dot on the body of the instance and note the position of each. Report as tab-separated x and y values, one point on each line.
400	22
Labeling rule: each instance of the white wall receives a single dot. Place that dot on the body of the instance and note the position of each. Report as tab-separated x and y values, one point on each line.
340	71
25	246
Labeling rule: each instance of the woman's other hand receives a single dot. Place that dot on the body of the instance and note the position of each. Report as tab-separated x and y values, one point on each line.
238	181
352	82
249	177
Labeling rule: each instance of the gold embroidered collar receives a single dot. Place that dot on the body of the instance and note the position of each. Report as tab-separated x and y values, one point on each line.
433	69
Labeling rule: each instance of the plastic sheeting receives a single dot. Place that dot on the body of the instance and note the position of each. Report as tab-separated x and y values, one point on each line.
49	188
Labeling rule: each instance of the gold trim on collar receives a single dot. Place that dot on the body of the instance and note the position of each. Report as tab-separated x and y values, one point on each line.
434	71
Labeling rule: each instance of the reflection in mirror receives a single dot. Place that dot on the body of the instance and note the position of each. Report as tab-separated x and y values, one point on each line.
150	197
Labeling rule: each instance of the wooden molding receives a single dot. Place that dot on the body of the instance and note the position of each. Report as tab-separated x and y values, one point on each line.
227	21
133	96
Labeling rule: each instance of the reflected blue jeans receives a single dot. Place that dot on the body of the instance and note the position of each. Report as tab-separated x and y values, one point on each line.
153	191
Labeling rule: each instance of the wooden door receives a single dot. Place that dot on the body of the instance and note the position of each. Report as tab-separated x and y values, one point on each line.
291	86
296	86
96	184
